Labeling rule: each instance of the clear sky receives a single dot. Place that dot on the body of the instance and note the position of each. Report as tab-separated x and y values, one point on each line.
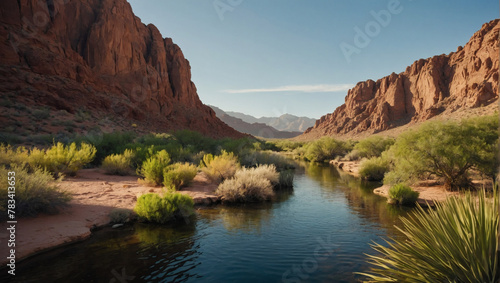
270	57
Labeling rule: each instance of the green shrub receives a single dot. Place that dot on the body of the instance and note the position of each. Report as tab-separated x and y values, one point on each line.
42	113
107	143
119	164
372	146
220	167
179	175
62	159
403	195
260	158
152	169
172	206
35	192
120	215
325	149
286	179
456	242
374	169
448	150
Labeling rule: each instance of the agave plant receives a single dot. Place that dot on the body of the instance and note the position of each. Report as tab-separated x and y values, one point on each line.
455	242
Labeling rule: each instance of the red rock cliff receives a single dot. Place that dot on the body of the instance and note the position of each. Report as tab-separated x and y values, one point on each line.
96	55
467	78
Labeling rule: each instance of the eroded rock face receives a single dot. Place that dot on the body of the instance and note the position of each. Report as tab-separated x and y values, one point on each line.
97	55
467	78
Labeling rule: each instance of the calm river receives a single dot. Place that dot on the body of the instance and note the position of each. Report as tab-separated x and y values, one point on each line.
317	233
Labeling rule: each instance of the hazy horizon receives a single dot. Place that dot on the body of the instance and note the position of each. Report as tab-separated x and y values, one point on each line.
296	57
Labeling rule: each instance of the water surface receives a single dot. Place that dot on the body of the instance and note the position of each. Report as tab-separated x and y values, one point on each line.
319	232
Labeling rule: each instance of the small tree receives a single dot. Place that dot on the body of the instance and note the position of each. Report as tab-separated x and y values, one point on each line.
373	146
448	150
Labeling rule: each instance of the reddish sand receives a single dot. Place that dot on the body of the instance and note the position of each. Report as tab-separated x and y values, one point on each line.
94	196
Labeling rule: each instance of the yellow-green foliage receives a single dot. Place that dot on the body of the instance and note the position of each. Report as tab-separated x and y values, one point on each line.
10	155
372	146
35	192
448	150
374	169
119	164
62	159
249	185
325	149
403	195
456	242
220	167
152	169
179	175
172	206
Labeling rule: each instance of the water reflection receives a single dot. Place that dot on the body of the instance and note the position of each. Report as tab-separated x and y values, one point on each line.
246	218
359	194
255	242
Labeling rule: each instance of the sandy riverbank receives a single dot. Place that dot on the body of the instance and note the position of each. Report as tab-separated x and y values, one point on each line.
95	195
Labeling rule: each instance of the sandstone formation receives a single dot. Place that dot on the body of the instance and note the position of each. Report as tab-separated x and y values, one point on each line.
96	55
467	78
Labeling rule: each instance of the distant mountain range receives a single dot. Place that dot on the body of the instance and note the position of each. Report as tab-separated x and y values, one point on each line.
285	126
285	122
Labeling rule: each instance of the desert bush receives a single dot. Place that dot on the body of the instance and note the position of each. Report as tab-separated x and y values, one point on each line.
448	150
372	146
35	192
172	206
260	172
119	164
402	194
107	143
325	149
249	185
152	169
61	159
286	179
179	175
374	169
220	167
10	138
456	242
286	145
42	113
237	146
10	155
120	215
256	158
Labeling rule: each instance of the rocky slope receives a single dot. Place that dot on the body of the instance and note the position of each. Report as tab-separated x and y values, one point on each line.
95	57
255	129
440	85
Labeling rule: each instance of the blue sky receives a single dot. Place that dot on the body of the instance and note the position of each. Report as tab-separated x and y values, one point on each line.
267	58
